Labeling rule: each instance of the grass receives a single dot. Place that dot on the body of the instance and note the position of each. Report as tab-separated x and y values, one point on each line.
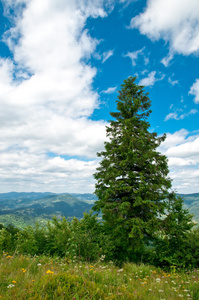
41	277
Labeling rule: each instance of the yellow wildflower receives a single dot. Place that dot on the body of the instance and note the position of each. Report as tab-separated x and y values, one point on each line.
49	272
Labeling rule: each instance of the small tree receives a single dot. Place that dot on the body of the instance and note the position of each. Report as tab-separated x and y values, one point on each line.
132	179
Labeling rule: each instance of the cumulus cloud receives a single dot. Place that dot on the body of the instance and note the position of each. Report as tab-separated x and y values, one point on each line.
195	91
181	148
25	171
177	22
46	95
149	80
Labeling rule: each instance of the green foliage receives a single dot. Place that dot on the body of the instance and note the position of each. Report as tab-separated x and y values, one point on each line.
132	177
142	220
133	186
8	237
5	240
26	242
83	239
173	247
41	277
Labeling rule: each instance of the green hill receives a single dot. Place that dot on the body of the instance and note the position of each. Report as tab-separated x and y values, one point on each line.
191	201
22	209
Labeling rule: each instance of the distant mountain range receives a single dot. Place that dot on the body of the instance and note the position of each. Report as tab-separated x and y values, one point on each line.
22	209
191	202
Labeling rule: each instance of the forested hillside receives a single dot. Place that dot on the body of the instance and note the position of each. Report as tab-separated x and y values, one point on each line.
22	209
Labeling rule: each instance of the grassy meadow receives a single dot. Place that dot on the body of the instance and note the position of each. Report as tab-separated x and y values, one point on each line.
42	277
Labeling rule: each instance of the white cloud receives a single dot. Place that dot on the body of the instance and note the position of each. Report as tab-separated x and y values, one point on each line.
181	148
186	150
24	171
146	61
175	116
106	55
148	81
110	90
177	22
195	91
134	55
166	60
173	82
171	116
174	139
46	97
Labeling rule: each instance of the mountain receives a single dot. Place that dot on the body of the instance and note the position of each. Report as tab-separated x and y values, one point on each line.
27	208
22	209
191	202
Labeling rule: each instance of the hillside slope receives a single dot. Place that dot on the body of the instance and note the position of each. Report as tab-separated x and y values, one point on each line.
22	209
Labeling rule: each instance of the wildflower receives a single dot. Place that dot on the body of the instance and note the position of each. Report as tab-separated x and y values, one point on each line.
38	264
10	286
102	257
14	281
157	280
23	270
49	272
180	296
120	270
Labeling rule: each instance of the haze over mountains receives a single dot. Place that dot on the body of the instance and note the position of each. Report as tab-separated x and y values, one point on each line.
27	208
22	209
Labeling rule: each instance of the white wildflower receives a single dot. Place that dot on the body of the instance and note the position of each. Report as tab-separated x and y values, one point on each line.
10	286
120	270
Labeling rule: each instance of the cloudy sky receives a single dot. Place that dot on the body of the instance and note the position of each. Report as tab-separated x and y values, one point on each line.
61	65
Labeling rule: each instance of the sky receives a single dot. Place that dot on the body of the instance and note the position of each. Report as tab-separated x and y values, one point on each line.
62	63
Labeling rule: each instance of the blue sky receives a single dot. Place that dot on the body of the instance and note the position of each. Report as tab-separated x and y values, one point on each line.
61	65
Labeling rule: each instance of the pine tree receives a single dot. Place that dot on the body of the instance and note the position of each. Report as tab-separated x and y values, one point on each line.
132	180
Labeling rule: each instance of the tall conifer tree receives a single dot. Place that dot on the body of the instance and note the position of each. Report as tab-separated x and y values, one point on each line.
132	180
